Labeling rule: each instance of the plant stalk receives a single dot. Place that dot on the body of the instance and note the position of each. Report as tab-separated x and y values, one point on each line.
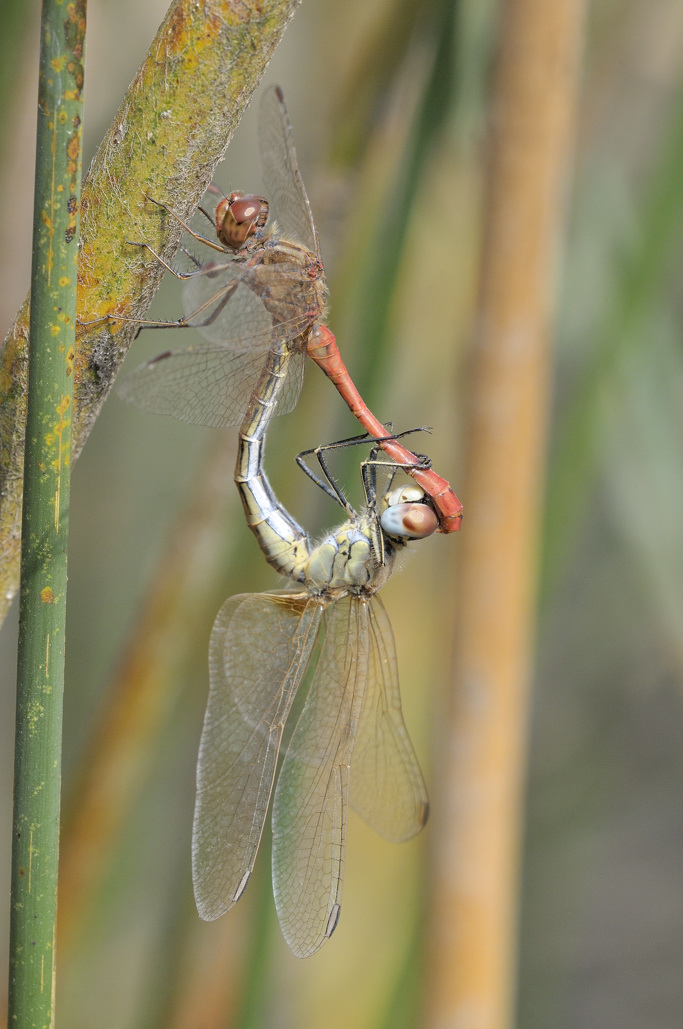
45	518
478	816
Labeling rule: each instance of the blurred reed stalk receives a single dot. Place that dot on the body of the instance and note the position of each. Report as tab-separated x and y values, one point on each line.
478	811
45	517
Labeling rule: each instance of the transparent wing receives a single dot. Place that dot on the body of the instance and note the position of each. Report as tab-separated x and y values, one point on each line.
233	308
387	788
311	798
207	384
233	311
284	185
260	645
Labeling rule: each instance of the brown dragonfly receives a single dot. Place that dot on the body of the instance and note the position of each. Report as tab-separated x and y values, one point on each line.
269	285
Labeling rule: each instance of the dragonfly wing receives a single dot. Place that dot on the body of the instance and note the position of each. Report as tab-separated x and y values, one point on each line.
311	797
233	313
293	383
387	788
260	645
250	305
284	185
205	384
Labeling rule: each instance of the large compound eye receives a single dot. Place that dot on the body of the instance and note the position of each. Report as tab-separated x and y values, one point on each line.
411	521
239	217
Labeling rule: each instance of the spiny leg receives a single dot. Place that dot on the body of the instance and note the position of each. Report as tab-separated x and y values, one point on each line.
201	269
223	295
329	485
369	467
196	235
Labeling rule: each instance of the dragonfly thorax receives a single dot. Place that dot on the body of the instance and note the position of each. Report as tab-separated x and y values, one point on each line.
353	559
289	281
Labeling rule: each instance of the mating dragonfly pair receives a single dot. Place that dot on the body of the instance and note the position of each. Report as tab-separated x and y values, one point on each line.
260	309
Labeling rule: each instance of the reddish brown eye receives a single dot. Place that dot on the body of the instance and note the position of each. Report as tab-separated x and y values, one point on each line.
239	217
409	521
246	210
420	520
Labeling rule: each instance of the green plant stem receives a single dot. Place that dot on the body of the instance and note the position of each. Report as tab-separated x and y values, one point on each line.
40	686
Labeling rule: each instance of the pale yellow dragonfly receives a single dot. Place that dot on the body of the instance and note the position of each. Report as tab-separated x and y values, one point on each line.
350	743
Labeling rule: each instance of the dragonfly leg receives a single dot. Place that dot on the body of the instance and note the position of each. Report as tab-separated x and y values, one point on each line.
422	461
206	215
329	487
220	298
196	235
329	484
201	269
159	258
190	256
369	467
365	437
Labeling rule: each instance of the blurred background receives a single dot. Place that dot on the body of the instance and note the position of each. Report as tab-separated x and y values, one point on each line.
395	182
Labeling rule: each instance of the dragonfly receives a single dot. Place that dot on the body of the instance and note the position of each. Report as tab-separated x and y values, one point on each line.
350	744
267	287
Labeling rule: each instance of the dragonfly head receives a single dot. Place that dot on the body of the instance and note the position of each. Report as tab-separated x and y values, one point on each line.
238	217
407	515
